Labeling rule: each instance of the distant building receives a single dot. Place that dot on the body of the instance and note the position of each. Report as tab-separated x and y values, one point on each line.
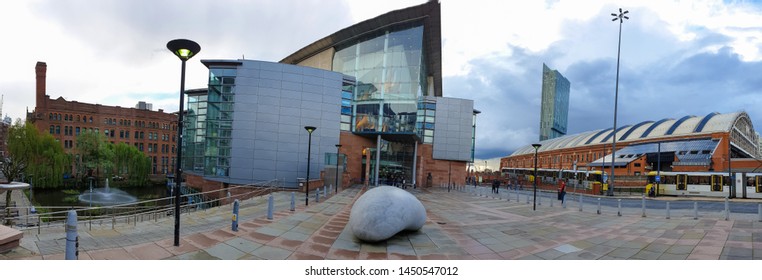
152	132
554	114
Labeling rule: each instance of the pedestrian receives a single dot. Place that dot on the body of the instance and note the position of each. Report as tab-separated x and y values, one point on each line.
562	190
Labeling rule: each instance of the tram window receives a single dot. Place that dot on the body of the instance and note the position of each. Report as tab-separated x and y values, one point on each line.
750	181
669	179
758	185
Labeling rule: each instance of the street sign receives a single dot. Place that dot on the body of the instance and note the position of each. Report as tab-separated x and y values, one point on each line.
658	179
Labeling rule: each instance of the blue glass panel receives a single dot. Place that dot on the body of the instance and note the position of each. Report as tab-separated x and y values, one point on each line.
346	110
346	95
345	102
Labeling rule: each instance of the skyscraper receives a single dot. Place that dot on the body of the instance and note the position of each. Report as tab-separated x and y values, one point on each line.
555	104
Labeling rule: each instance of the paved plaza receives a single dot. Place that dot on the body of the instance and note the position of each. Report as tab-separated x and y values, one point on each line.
461	225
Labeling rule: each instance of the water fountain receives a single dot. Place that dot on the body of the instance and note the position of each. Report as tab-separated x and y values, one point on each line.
106	196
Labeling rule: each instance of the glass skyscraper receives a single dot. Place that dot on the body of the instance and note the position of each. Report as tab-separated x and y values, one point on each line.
554	111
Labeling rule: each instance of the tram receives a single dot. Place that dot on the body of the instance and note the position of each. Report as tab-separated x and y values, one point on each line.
593	179
708	184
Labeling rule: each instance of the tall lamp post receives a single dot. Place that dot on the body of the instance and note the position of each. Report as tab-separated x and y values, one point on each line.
534	202
183	49
621	16
309	129
338	146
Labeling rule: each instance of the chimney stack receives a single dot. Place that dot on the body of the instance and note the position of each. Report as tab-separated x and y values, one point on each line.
40	69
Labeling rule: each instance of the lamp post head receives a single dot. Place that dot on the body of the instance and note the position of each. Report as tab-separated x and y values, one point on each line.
620	16
338	146
536	146
310	129
183	48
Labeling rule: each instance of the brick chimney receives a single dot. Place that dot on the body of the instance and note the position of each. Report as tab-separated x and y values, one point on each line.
40	69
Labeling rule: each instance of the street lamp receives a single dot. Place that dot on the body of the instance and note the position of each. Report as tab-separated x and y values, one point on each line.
338	146
309	129
183	49
534	202
621	16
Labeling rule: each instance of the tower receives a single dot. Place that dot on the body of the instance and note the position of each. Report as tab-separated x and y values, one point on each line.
40	69
554	110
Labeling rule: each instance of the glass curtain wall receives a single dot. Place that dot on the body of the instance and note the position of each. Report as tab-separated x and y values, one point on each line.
210	123
390	76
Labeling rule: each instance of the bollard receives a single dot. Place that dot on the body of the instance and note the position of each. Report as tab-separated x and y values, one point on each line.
293	202
270	204
236	206
643	205
727	209
325	192
551	202
517	196
695	210
599	206
72	238
317	195
539	200
563	203
667	210
619	207
580	203
759	212
527	199
228	196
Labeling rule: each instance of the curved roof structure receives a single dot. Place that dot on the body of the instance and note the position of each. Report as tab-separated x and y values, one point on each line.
428	12
647	130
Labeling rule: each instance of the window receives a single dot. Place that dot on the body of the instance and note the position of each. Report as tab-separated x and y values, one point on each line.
52	129
58	129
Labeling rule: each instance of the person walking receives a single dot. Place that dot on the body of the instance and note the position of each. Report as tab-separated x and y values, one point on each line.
562	190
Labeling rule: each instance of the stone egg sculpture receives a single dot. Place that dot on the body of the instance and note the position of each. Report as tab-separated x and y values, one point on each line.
384	211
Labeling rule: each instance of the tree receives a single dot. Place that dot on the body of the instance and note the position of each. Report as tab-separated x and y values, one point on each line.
100	158
33	154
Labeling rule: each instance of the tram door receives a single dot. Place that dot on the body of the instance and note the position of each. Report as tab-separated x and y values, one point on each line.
757	184
682	182
716	183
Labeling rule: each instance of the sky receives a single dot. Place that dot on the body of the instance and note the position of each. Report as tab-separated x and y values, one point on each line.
677	58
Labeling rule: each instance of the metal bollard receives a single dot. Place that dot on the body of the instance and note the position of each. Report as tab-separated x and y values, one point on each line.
293	202
539	200
643	205
270	205
580	203
619	207
72	238
325	192
517	196
317	195
563	203
727	209
695	210
667	210
236	206
759	212
551	202
599	206
527	199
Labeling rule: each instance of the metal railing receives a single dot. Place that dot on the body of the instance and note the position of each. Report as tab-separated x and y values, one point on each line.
131	213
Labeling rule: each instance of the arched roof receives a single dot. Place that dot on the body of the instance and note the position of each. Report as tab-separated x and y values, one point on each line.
685	126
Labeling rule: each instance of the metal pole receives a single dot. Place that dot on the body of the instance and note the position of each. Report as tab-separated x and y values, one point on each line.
178	164
338	146
599	206
658	170
580	202
616	97
759	212
695	210
534	202
727	209
643	205
619	207
378	157
667	210
307	183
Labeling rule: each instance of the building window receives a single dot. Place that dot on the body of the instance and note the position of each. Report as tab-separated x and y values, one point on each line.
58	129
52	129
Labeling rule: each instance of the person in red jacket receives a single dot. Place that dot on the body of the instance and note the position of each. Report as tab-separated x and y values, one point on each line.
562	190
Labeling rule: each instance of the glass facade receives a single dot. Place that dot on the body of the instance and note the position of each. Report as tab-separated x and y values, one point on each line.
424	123
390	77
389	73
555	104
208	127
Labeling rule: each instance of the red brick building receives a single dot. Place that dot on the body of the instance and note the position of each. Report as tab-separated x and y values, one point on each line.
152	132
